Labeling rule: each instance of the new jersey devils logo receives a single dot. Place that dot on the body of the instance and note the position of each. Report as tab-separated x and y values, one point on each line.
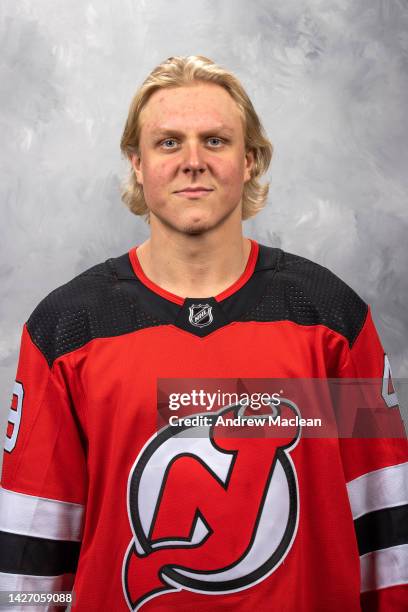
209	512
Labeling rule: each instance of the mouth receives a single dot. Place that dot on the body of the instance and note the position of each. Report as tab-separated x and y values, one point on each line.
194	193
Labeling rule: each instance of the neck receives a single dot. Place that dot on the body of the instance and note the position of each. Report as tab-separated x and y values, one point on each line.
201	265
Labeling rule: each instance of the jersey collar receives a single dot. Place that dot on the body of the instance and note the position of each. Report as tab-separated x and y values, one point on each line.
240	282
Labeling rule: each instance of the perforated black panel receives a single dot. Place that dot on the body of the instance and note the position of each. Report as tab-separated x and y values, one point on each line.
92	305
309	294
108	300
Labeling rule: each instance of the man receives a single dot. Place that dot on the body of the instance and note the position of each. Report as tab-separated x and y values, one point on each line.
167	514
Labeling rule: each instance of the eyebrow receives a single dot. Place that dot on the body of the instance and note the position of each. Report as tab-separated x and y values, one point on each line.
164	131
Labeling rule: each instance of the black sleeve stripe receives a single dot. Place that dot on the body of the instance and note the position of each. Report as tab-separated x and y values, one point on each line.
21	554
382	529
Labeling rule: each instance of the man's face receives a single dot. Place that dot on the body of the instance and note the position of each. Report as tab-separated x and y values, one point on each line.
192	136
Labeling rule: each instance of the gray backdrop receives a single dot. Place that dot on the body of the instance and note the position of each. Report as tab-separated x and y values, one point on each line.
329	80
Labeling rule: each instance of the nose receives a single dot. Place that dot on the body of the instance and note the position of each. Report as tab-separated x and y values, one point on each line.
193	159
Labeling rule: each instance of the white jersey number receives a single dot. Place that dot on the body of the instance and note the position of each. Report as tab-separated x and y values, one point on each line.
390	398
14	417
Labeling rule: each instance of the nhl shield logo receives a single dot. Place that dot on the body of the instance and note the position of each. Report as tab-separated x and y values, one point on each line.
200	315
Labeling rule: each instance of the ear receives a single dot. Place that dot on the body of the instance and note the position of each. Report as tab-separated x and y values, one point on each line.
249	164
136	162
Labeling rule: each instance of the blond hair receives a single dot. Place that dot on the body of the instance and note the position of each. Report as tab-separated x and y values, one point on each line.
180	71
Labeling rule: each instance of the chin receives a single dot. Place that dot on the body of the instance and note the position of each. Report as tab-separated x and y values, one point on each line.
198	227
196	223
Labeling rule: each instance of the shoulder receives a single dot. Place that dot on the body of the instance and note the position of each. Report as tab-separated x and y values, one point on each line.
91	305
308	293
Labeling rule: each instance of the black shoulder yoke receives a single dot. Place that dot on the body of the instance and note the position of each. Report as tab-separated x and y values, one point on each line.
91	305
309	294
109	300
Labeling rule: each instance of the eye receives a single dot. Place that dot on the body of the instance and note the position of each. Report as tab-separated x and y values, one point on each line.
166	141
219	140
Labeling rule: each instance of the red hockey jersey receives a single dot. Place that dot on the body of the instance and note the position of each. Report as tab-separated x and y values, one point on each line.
100	494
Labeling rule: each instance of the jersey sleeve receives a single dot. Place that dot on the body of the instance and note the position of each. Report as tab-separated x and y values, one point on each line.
43	482
375	460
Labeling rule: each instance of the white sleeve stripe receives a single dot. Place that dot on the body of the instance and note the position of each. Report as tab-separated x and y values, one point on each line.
382	488
384	568
40	517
